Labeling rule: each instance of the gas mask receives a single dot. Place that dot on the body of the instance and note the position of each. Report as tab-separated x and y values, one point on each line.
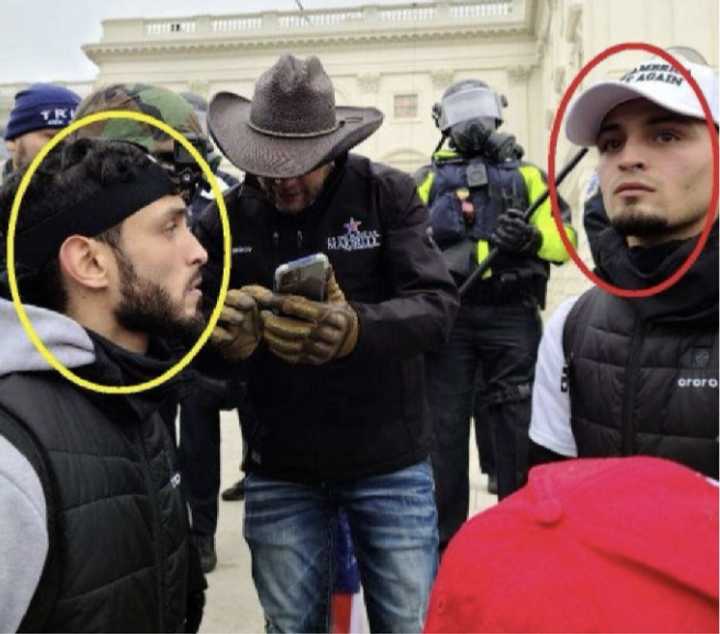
470	113
474	138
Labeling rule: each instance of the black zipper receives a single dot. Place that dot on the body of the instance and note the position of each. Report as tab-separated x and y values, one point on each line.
157	538
631	376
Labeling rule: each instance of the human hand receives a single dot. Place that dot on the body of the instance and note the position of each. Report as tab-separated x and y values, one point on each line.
515	235
310	332
239	328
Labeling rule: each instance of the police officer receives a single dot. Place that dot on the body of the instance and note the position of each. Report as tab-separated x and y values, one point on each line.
476	192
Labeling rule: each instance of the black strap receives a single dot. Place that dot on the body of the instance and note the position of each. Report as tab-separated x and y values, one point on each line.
43	602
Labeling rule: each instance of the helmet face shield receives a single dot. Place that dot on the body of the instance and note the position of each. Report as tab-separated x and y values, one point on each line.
476	103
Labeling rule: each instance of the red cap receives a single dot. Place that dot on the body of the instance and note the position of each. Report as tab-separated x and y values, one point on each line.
608	545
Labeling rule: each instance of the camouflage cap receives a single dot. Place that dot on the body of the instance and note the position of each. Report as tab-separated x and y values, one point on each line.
161	103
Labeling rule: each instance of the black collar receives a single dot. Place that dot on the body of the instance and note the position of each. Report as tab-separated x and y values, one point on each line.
693	298
115	365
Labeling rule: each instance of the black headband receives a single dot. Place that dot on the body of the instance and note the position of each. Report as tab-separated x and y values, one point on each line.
37	245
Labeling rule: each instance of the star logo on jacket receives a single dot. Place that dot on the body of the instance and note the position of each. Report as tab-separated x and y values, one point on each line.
353	226
353	239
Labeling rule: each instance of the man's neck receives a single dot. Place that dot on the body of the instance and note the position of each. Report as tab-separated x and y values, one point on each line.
683	232
650	242
106	325
132	341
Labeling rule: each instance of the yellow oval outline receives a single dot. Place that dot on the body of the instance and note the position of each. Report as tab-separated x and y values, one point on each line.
224	283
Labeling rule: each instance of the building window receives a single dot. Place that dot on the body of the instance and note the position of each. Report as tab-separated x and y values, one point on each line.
406	106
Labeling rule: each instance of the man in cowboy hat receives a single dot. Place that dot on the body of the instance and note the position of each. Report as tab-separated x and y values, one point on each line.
337	386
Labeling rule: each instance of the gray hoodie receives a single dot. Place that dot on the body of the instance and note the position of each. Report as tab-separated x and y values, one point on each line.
23	527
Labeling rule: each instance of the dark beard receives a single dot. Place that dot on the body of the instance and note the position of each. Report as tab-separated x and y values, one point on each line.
641	226
146	307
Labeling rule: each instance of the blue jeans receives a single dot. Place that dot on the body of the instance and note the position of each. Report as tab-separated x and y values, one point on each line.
289	528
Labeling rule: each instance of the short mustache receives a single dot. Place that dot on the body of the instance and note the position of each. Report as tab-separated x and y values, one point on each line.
195	282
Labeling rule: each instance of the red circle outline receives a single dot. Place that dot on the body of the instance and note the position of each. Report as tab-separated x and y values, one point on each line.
552	189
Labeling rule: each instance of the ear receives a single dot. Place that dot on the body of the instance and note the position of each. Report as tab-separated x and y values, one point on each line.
87	262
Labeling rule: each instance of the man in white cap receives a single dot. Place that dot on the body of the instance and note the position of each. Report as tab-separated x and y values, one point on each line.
621	376
337	386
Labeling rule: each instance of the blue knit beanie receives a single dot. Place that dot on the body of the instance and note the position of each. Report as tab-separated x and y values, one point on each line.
41	106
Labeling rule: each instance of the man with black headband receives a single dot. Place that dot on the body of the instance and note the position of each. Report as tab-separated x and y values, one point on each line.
336	385
199	442
620	376
95	528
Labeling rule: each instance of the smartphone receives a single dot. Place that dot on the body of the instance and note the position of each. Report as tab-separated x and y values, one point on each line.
306	276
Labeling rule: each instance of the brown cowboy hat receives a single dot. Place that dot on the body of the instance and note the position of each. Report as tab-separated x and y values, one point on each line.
292	124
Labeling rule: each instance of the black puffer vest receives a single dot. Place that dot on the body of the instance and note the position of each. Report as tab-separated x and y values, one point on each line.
118	532
643	373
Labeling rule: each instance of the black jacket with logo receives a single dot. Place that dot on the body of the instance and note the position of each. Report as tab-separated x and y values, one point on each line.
643	373
365	414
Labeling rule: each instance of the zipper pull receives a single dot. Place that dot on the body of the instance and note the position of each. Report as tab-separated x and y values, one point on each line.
276	239
299	240
565	376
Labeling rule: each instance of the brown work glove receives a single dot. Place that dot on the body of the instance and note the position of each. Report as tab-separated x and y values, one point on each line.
310	332
333	292
239	328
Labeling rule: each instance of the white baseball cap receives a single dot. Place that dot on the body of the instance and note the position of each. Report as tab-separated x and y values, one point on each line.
656	80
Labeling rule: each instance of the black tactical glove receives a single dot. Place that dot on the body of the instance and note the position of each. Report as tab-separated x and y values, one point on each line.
514	234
